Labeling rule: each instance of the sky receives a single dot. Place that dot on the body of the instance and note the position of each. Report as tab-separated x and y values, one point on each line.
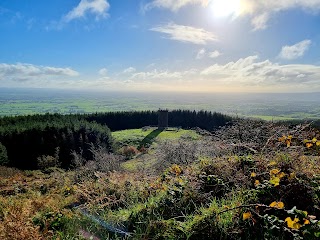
161	45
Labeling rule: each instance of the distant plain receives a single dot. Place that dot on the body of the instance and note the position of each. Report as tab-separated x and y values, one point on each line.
268	106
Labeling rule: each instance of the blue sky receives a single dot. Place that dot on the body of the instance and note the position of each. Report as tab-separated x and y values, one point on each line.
161	45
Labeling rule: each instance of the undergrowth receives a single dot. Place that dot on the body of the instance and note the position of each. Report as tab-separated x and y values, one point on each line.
260	182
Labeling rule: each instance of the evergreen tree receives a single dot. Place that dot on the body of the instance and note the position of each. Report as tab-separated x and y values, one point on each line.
3	155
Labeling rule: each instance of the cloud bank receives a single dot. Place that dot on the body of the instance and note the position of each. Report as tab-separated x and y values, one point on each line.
244	74
25	72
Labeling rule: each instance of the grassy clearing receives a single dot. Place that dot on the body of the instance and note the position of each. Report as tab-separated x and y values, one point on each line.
148	138
137	136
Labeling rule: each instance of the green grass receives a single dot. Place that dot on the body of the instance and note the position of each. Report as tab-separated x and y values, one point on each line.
138	136
147	138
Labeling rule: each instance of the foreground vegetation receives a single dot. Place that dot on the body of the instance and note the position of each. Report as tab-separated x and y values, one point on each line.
248	180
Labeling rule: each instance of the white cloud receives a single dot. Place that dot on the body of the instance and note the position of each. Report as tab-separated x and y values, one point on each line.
129	70
173	5
244	74
259	22
23	71
295	51
261	11
186	33
214	54
250	72
97	7
103	71
162	75
201	53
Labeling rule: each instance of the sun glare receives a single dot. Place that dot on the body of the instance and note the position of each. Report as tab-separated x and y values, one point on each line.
226	8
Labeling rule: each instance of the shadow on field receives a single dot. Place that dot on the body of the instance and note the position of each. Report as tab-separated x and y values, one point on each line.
149	139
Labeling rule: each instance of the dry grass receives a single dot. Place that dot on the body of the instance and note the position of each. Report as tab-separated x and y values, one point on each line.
23	197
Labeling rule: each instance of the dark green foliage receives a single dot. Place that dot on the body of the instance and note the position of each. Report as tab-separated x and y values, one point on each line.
3	155
50	221
29	139
177	118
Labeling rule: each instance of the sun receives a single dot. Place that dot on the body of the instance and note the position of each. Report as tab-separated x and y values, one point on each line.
226	8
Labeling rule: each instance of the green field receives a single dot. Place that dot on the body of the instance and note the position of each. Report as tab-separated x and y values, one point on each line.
266	106
139	136
148	137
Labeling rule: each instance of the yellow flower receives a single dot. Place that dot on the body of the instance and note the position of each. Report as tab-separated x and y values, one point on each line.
288	142
309	145
306	221
293	223
253	174
275	181
176	169
256	182
279	205
290	137
281	175
292	176
282	139
318	143
272	163
246	215
314	140
274	171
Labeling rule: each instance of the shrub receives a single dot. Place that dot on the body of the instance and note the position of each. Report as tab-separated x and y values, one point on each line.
45	161
3	155
129	151
181	153
105	161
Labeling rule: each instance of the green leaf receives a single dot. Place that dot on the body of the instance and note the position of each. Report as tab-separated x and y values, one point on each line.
292	211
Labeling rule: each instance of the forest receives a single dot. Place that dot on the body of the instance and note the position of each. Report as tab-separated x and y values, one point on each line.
51	139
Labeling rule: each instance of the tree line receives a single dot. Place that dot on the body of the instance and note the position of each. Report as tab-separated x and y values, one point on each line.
176	118
27	142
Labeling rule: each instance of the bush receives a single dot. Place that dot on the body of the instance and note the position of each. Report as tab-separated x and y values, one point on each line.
181	153
105	161
3	155
129	151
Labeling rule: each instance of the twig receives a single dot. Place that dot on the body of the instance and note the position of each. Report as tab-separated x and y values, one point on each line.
245	146
245	206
